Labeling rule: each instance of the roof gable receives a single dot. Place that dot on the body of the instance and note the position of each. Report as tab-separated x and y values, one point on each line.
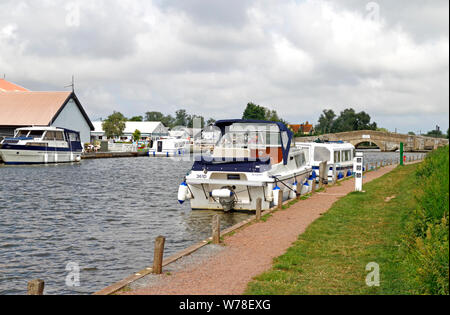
6	86
35	108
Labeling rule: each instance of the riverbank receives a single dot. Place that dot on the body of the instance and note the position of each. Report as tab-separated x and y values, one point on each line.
250	251
374	227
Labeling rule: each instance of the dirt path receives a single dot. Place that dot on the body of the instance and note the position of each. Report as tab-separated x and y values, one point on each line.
251	251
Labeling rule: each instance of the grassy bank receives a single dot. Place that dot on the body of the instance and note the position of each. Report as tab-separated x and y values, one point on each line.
381	226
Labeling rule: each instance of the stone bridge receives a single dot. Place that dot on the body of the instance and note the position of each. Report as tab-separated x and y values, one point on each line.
384	140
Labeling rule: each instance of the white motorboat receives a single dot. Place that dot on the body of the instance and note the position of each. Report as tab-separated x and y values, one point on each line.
41	145
253	159
339	156
169	147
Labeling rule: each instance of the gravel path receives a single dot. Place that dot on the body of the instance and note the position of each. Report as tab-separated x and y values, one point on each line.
251	251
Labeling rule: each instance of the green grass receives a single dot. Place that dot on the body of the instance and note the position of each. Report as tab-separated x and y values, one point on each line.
332	255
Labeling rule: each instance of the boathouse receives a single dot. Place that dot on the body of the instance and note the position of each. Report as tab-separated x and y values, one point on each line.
148	129
20	108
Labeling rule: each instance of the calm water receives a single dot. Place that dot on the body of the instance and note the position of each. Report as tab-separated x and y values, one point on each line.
100	214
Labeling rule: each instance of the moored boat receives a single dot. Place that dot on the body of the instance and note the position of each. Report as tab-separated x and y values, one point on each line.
253	159
169	147
339	156
41	145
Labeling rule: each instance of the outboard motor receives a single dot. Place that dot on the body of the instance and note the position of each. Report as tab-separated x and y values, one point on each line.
226	196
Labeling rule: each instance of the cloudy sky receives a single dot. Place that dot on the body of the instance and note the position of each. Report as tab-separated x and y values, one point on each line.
211	57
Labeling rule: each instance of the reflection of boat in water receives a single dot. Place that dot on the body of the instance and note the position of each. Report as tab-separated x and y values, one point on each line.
41	145
253	159
338	154
169	147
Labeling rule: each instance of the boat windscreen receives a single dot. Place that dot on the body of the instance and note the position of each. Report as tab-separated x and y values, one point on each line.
36	134
322	154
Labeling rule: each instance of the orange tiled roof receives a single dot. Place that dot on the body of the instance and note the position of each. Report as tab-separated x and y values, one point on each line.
6	86
30	108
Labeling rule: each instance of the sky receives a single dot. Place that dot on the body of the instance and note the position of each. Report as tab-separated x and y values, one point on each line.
210	57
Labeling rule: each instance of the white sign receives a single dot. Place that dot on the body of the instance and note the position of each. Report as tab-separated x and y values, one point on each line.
359	171
366	136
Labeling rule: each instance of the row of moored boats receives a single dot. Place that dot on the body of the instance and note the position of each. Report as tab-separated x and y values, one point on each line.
251	160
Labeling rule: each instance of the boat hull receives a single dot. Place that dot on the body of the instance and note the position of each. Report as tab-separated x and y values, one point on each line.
246	193
23	157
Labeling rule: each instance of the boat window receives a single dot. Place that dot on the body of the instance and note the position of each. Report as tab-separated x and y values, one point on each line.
337	156
300	159
322	154
35	134
59	135
50	135
75	137
22	133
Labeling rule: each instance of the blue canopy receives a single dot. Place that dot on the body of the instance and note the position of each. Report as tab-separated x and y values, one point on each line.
223	124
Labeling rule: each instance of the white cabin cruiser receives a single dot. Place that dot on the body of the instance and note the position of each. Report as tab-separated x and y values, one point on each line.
253	159
41	145
337	154
169	147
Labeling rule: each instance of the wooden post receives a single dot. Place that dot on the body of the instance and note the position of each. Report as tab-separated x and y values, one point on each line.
216	229
323	170
36	287
258	209
280	200
158	255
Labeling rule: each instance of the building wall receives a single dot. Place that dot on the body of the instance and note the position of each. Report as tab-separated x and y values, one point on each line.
6	132
71	118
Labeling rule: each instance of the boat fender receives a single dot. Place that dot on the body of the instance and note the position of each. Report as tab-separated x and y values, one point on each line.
340	175
182	192
349	173
276	192
269	192
221	193
314	175
293	193
305	188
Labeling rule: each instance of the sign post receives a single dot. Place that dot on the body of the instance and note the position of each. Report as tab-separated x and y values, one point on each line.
358	168
402	162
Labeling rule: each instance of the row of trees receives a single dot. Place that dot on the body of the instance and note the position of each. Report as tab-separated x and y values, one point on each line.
329	121
181	118
348	120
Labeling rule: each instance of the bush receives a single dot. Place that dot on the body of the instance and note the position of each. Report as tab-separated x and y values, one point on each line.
428	241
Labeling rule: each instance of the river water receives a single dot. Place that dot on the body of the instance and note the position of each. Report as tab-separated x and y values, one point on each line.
99	215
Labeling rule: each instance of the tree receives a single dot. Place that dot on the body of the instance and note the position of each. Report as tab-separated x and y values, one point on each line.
210	121
114	125
326	121
181	118
137	135
411	133
254	111
435	134
154	116
168	121
137	118
348	120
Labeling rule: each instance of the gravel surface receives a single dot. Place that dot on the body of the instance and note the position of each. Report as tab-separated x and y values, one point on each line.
249	252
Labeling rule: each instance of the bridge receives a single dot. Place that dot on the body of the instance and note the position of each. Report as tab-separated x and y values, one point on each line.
385	141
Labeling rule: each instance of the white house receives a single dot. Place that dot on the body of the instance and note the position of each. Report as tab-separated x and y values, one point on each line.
148	129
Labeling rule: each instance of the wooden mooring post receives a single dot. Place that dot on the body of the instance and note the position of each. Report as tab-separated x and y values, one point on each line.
216	229
280	200
258	209
36	287
158	255
323	173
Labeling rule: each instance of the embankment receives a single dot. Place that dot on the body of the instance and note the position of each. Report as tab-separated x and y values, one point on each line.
400	223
